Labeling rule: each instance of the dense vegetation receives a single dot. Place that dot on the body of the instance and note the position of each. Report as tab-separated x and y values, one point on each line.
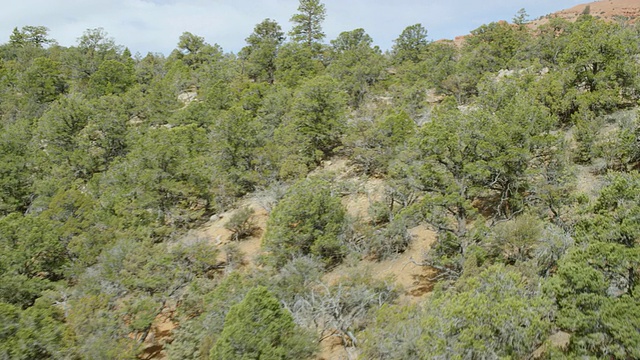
104	167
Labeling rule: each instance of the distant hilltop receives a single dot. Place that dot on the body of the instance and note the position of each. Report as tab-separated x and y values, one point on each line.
610	10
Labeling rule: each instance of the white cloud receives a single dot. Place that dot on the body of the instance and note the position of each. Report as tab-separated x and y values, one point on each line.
155	25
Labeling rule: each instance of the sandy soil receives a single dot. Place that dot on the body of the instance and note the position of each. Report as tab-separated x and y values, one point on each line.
412	280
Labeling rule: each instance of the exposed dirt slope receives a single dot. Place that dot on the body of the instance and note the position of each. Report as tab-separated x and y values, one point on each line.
412	280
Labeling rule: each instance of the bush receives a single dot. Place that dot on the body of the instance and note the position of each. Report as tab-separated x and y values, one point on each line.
514	241
380	212
392	240
240	223
496	314
259	328
308	220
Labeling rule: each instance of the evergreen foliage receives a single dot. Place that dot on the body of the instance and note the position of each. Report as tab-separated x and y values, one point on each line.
308	220
259	328
307	27
518	148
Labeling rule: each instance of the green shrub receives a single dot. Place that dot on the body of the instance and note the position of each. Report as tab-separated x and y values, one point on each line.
308	220
259	328
392	240
240	223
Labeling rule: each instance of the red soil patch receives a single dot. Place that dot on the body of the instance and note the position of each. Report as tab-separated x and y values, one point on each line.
609	10
161	333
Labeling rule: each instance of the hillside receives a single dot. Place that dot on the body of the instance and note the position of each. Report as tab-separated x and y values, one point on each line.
312	198
608	10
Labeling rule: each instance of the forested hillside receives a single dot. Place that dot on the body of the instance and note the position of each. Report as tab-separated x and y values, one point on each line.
518	149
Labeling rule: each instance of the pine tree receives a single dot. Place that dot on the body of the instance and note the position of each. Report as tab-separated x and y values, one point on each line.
308	22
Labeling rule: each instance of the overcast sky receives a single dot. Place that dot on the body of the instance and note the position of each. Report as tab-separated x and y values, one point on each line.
155	25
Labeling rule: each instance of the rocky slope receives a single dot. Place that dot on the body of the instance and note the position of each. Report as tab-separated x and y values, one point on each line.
611	10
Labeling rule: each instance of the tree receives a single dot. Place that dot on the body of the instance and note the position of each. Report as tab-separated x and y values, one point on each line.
295	63
551	40
104	136
599	57
473	161
596	290
497	314
17	38
521	17
262	50
410	44
596	285
439	63
55	144
61	123
318	115
163	180
493	315
150	68
351	40
236	135
308	220
259	328
307	27
452	170
313	127
33	254
30	35
94	47
355	63
15	166
193	50
200	58
520	145
44	80
96	40
374	144
492	47
111	78
202	318
615	216
99	333
38	332
500	41
189	43
74	215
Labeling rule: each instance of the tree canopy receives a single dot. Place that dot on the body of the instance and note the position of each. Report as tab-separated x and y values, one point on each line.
438	199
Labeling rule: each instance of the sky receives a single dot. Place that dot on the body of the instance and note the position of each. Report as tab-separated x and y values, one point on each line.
155	25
